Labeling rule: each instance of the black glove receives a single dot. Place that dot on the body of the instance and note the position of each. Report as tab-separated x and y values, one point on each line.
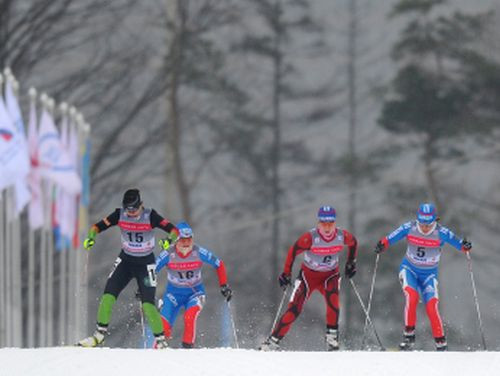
226	292
466	245
284	280
350	269
379	248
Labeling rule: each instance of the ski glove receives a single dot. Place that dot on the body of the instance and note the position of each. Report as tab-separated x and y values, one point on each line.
380	247
350	269
89	242
284	280
226	292
164	243
466	245
170	239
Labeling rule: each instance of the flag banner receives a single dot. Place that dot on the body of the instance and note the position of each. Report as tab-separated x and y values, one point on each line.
35	212
14	160
86	174
55	163
22	193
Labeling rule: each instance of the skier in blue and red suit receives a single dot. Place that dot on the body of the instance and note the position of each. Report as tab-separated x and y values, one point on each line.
418	272
322	247
184	261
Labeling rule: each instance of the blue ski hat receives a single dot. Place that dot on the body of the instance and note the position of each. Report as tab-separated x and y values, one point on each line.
185	231
426	213
327	214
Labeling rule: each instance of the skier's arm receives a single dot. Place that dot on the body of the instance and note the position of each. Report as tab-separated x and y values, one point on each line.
107	222
162	260
352	245
302	244
158	221
102	225
209	258
447	236
400	233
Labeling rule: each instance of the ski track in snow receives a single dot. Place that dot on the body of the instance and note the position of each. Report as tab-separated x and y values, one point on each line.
68	361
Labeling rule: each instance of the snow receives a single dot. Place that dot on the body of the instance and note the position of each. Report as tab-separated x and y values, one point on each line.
66	361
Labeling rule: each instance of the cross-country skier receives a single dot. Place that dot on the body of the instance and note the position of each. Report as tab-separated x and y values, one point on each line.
322	247
136	260
418	272
183	262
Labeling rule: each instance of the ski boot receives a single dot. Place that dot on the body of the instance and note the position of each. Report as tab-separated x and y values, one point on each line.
332	339
441	344
186	345
95	339
408	341
160	342
270	344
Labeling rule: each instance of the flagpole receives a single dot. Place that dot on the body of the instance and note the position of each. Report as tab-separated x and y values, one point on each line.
83	257
50	257
9	264
42	322
63	257
3	271
73	285
16	229
31	255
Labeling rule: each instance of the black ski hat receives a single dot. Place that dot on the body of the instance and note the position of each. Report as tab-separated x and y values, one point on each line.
132	199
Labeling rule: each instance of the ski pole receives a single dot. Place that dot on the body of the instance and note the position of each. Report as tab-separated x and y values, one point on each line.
232	324
279	308
372	287
474	291
367	314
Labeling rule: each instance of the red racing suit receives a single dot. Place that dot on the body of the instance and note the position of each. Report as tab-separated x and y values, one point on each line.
319	271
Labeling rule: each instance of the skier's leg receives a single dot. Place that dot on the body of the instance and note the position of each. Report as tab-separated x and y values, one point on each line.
119	277
330	291
431	299
409	285
193	309
300	294
169	312
147	288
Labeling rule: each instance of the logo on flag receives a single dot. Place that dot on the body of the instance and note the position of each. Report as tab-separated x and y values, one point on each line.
6	135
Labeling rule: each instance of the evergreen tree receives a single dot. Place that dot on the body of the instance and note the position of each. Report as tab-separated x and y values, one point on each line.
443	87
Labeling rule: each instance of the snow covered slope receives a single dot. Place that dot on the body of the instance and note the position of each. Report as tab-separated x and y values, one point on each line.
68	361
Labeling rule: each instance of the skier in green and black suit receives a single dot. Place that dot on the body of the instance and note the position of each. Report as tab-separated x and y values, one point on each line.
136	260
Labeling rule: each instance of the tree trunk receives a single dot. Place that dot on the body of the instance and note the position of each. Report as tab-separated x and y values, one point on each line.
177	190
276	150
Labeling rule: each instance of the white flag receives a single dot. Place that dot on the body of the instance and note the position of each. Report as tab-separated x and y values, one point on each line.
55	164
23	194
70	214
14	161
35	212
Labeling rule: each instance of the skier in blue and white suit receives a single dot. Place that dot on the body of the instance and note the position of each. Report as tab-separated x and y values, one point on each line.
183	262
418	272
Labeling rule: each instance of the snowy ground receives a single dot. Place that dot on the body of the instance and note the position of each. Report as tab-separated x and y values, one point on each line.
68	361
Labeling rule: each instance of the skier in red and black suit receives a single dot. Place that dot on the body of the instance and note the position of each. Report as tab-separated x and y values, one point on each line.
322	247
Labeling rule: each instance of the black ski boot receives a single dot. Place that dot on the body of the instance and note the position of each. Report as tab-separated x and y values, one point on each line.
441	344
332	339
270	344
408	341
